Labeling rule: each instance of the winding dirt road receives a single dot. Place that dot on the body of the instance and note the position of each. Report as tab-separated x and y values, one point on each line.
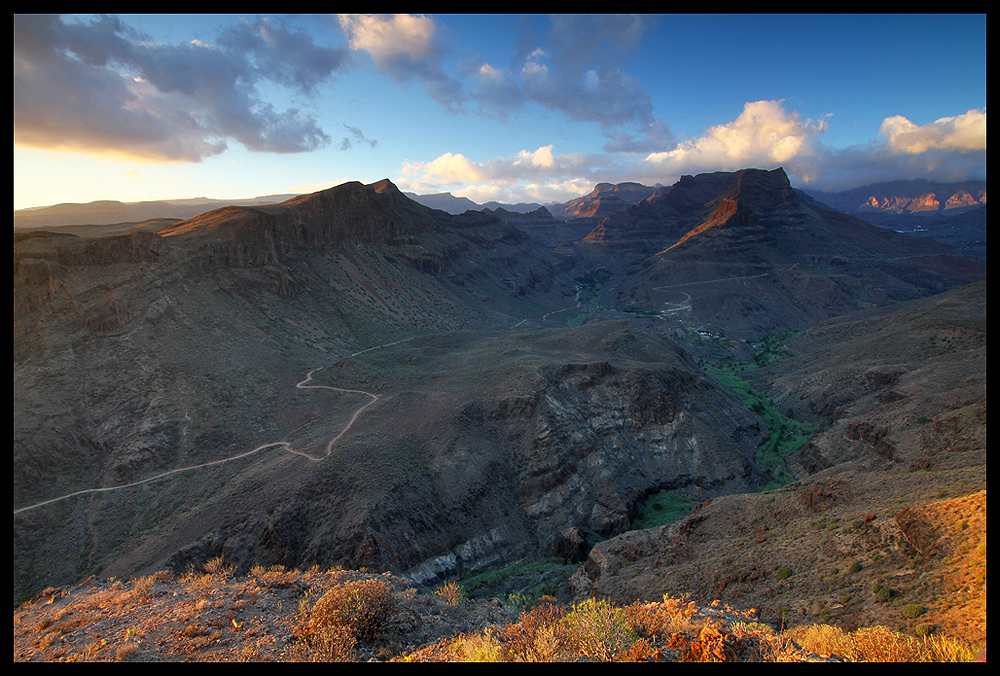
304	384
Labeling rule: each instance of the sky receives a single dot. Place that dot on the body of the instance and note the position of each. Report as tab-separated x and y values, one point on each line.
513	108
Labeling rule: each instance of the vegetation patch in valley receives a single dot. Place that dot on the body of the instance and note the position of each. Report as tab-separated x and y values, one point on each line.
522	583
664	508
786	434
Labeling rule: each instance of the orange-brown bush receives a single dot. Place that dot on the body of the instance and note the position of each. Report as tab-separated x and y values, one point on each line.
663	619
879	644
538	636
332	643
351	611
451	593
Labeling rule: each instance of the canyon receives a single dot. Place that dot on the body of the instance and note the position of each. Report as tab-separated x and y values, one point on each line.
352	378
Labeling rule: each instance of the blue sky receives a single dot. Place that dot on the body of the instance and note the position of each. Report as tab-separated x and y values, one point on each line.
506	107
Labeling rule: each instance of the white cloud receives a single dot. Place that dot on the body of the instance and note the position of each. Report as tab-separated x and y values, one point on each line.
540	165
763	135
388	39
963	133
541	158
539	175
451	169
403	47
542	193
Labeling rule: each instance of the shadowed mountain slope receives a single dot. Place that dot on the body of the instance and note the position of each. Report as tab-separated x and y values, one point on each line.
755	256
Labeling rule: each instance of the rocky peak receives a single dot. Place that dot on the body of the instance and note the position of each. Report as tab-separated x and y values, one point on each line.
385	185
352	211
604	199
670	213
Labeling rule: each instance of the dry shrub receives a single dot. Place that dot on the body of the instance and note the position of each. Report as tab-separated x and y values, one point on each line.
751	629
142	588
640	651
539	636
332	643
217	566
48	639
652	620
947	649
126	652
881	644
116	594
451	593
361	606
822	639
481	647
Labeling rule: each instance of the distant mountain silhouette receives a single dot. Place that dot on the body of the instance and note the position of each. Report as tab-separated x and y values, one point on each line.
907	197
604	199
953	213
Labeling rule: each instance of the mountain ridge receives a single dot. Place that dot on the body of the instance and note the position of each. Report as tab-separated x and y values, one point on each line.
918	196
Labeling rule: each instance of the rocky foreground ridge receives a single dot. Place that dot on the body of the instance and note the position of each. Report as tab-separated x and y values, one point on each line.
277	615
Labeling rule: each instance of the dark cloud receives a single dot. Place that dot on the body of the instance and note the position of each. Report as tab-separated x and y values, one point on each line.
357	135
279	54
98	86
571	64
654	136
574	64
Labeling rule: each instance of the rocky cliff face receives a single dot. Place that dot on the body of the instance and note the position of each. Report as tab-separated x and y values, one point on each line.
925	364
143	353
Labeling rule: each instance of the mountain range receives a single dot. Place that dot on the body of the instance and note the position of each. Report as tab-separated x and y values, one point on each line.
352	378
950	212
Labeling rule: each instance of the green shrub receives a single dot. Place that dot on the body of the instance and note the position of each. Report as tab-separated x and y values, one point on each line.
855	567
883	593
784	573
599	629
913	610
